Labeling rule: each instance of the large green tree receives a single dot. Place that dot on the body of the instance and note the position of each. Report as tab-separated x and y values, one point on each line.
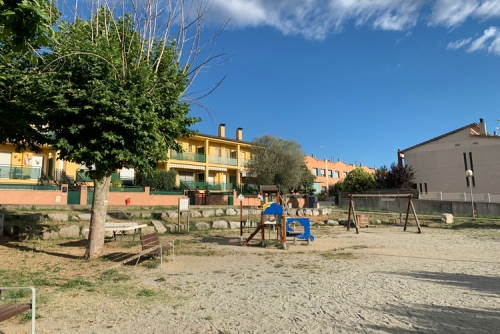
112	94
276	161
358	180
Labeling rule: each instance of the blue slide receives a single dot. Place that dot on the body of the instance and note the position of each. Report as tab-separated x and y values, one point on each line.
305	222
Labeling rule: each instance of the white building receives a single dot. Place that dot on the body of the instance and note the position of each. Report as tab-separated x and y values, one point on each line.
440	163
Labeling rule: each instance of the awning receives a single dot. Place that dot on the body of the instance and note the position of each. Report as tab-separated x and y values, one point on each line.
219	169
187	166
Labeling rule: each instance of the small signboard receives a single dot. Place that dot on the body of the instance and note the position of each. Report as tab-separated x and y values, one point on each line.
183	204
241	197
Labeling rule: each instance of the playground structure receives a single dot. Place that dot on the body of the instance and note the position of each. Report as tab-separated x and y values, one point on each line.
410	205
283	224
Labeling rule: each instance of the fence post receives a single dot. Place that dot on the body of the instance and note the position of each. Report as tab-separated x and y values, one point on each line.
489	198
465	197
441	195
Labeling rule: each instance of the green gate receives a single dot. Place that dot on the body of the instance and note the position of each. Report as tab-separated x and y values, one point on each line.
74	196
90	195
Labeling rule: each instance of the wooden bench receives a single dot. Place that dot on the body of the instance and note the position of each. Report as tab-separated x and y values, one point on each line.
151	245
11	310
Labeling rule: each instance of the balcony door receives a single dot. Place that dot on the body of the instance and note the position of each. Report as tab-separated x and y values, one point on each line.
5	161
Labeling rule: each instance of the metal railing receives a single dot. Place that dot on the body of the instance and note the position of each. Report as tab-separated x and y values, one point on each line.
187	156
166	192
222	160
19	172
28	187
201	185
463	197
136	189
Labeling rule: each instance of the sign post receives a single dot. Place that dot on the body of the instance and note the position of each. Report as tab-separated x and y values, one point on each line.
183	207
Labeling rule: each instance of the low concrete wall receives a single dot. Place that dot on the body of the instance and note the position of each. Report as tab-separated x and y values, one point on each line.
424	206
32	197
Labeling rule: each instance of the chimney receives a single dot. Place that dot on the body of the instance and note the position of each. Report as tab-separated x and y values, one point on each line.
239	134
314	156
482	127
495	134
222	130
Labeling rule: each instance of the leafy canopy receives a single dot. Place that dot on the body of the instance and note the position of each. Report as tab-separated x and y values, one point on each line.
358	180
113	98
276	161
27	23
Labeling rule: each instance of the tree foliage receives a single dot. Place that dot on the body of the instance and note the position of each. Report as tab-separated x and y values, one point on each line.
159	179
22	123
381	175
306	181
276	161
358	180
400	177
28	24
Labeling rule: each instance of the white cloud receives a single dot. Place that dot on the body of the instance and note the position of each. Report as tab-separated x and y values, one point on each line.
480	42
458	44
452	12
316	19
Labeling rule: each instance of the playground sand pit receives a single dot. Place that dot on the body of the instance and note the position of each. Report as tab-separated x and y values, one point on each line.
383	280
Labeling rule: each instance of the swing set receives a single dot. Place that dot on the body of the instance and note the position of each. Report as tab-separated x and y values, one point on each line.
410	206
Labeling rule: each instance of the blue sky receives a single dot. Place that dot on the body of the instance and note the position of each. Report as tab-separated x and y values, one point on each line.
354	80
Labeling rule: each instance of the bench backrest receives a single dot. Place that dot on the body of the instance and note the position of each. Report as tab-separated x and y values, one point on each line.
150	240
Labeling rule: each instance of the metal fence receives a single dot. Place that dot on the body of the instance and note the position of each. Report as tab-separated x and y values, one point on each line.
465	197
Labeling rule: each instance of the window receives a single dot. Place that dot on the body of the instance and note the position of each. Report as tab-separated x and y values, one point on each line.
233	154
315	172
345	175
243	155
186	176
425	184
217	152
323	189
190	148
420	187
226	153
333	174
321	172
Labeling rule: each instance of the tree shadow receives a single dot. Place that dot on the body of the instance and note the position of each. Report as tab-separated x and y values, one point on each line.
10	244
440	319
481	283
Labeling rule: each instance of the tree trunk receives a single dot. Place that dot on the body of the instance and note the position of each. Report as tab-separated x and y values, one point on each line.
95	244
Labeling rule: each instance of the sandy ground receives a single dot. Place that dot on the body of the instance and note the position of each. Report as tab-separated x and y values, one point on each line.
380	281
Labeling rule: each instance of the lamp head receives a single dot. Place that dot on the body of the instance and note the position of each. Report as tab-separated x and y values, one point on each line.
469	173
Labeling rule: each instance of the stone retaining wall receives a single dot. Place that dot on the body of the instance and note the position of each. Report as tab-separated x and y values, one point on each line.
251	218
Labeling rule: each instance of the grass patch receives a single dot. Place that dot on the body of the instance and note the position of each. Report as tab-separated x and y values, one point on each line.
338	256
77	282
152	264
130	244
146	293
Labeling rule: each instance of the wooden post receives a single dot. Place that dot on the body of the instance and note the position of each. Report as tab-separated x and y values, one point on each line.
349	215
407	212
415	216
241	221
354	218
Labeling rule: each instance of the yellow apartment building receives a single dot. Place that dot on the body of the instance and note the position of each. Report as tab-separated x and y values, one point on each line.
210	162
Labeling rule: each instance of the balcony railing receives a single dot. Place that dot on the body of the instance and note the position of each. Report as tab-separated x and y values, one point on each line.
20	173
187	156
192	185
222	160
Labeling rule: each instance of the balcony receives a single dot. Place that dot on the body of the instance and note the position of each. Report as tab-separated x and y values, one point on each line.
243	162
192	185
187	156
222	160
20	173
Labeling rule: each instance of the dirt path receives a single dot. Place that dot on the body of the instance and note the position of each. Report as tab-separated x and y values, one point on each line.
380	281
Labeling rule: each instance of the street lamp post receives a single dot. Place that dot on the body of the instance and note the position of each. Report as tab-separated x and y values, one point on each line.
469	174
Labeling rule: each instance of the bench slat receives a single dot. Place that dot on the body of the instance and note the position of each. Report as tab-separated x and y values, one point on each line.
10	310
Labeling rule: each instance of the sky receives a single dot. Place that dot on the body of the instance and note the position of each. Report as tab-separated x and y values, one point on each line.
353	79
